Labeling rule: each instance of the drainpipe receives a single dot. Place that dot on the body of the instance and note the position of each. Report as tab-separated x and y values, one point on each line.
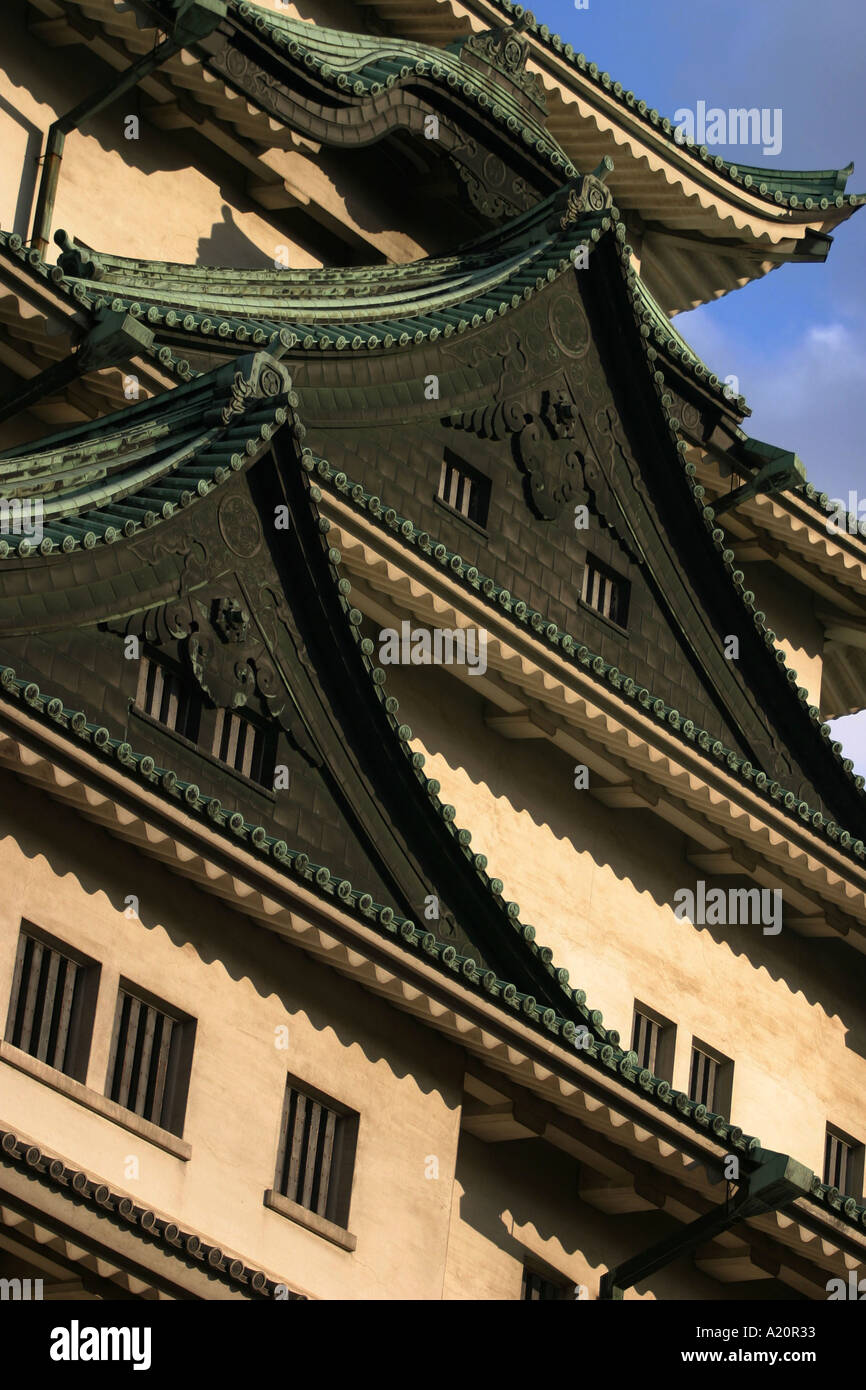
777	1181
778	471
192	21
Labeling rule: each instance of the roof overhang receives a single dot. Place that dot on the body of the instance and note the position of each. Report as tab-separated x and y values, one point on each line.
635	762
698	233
580	1107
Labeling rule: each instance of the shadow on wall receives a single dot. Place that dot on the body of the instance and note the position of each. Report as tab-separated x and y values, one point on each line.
631	844
228	246
521	1189
218	935
29	172
59	80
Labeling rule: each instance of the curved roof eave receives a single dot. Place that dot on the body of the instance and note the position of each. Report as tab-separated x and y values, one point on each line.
770	215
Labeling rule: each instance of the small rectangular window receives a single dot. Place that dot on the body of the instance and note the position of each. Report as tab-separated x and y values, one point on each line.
843	1162
317	1154
151	1056
645	1040
702	1087
168	696
464	489
52	1003
836	1158
654	1040
605	591
711	1079
246	745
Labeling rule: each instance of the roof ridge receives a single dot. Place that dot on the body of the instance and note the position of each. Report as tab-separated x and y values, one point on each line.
567	222
376	69
746	177
722	544
660	327
249	398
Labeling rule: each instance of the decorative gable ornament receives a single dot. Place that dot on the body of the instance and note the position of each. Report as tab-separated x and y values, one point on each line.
505	50
588	194
261	377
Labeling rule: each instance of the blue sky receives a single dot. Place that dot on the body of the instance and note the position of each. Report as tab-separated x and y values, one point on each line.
797	338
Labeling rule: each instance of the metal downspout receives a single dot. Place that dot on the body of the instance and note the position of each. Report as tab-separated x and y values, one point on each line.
201	19
777	1181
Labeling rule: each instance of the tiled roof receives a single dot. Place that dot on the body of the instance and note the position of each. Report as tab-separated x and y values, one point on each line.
575	1025
376	507
521	258
344	310
795	189
116	1206
106	479
360	65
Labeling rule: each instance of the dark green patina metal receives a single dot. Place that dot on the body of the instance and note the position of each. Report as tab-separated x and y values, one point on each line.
113	337
775	1181
778	471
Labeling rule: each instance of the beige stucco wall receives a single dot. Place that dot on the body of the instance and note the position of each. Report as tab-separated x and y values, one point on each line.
459	1227
790	610
172	194
165	196
598	885
241	984
519	1200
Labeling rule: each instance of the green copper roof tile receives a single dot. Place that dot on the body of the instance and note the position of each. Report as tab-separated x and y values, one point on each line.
408	303
793	188
112	477
669	339
362	65
576	652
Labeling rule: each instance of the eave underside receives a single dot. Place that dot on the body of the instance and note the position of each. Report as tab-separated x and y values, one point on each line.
698	237
616	1138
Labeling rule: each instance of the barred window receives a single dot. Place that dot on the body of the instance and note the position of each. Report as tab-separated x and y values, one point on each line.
711	1078
317	1154
246	745
654	1040
645	1040
464	489
52	1003
168	696
151	1056
837	1161
605	591
704	1078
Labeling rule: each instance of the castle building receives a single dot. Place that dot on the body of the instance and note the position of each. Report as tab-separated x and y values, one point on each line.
427	864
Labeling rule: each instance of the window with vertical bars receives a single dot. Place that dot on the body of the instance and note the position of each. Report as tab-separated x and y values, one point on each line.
50	1009
151	1051
605	591
645	1040
169	697
538	1287
704	1078
245	745
317	1154
464	489
837	1161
